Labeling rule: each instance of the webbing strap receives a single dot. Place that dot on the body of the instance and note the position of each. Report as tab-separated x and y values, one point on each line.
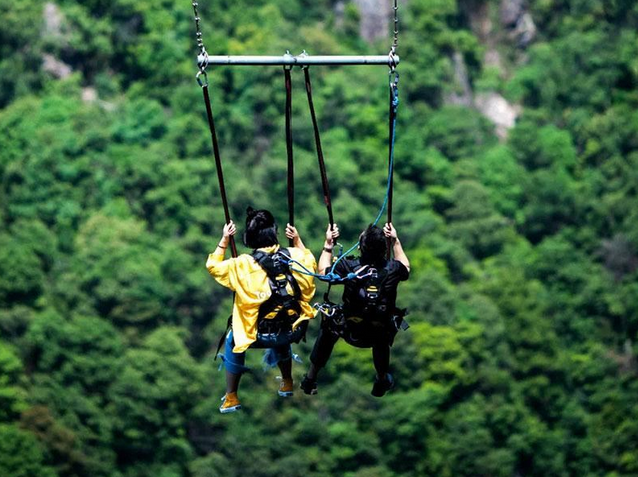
222	191
322	164
218	163
222	338
291	165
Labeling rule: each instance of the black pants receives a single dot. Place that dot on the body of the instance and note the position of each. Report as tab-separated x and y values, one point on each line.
326	341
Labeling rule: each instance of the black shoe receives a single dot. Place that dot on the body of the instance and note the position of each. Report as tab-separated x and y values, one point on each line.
309	386
381	387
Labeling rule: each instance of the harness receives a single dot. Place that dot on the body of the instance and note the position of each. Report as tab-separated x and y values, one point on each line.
370	294
277	314
373	320
281	309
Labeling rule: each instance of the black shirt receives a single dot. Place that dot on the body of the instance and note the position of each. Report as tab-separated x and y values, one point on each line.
352	302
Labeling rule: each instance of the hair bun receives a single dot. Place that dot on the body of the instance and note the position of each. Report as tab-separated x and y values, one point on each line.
259	218
261	229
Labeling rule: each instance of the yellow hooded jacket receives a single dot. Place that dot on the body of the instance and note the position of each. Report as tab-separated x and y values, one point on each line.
249	281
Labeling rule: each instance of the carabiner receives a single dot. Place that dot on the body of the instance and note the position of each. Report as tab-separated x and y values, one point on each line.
198	76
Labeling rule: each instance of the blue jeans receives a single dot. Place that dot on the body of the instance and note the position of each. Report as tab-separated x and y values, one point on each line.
278	345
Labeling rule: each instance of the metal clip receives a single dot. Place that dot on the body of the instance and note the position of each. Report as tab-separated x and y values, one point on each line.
325	309
289	57
203	83
304	54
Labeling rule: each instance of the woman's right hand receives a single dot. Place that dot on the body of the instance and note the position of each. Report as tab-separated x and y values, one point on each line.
332	234
390	232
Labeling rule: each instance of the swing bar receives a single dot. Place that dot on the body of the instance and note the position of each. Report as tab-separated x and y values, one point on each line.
300	60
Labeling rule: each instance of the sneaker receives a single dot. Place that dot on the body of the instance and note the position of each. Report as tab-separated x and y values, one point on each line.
285	387
309	386
230	403
381	387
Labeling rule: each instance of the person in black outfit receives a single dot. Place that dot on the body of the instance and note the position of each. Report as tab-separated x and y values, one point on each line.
368	317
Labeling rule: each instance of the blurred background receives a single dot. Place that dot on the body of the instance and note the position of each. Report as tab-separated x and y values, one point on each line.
516	198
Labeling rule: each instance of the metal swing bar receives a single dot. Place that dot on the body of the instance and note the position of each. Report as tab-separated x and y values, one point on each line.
299	60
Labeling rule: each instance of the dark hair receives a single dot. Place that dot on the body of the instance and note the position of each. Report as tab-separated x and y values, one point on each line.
261	229
373	245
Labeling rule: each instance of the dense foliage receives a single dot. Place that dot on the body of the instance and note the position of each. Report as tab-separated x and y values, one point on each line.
521	357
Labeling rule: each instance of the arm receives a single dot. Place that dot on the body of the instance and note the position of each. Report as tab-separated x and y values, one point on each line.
228	231
326	254
215	264
397	249
293	234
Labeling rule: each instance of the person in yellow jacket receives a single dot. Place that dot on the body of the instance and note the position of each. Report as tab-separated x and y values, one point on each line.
253	288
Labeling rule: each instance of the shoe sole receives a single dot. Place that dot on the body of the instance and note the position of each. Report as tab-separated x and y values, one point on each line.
285	393
228	410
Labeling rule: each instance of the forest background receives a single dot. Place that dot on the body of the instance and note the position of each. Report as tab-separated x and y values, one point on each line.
516	198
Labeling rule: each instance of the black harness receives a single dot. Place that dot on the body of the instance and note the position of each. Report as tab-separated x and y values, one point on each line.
366	315
281	309
368	298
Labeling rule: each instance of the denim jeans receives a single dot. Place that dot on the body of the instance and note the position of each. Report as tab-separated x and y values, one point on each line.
278	345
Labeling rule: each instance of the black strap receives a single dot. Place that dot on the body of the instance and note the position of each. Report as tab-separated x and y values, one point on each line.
223	336
291	166
218	163
222	190
320	159
326	296
266	262
322	164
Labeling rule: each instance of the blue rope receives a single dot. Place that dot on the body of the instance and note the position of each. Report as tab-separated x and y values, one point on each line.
332	276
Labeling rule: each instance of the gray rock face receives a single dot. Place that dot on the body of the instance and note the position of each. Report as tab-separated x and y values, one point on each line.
89	95
53	19
56	67
511	11
517	19
496	108
375	18
462	94
525	30
482	27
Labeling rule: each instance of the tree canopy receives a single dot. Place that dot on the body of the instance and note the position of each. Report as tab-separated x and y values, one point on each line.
523	237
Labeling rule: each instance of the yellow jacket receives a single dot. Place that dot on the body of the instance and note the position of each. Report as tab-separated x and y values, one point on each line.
249	281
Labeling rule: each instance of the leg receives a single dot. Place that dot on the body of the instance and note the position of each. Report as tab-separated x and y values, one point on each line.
381	358
234	363
232	382
234	366
321	352
384	381
283	356
285	366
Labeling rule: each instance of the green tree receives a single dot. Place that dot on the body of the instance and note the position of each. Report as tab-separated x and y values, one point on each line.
21	454
13	396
